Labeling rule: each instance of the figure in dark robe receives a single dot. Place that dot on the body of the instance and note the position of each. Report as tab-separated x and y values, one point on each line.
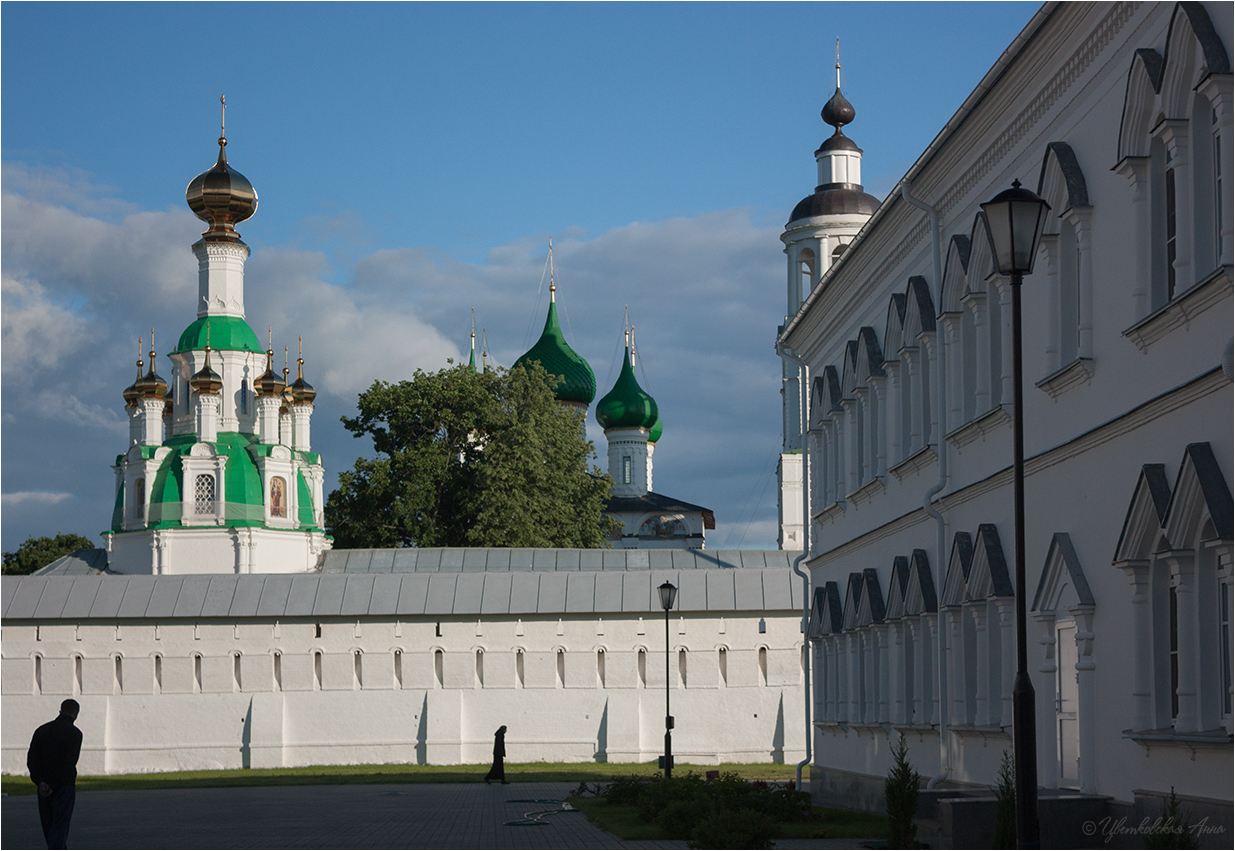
498	771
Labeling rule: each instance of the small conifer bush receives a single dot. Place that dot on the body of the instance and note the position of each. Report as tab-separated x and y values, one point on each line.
900	793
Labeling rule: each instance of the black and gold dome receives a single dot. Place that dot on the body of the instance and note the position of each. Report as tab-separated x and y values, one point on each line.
222	198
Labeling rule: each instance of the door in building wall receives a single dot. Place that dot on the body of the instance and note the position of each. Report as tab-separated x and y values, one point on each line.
1066	728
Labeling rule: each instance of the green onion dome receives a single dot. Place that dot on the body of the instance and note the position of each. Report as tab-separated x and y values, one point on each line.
579	383
658	428
627	405
226	333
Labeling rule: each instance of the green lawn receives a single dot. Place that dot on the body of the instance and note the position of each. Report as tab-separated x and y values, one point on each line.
625	823
329	775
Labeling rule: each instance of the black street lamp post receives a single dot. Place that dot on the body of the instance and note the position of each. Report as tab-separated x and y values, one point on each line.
1014	220
668	591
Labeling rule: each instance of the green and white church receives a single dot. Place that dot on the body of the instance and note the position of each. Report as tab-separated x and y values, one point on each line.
632	424
219	475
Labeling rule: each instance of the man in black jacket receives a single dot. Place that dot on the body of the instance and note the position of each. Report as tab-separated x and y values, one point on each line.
52	761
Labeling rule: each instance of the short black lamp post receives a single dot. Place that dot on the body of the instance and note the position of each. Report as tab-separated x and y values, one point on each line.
668	592
1014	221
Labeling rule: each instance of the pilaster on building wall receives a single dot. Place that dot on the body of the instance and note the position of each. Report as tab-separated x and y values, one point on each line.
1118	116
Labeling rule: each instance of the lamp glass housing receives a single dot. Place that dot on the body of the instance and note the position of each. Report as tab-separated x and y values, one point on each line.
668	592
1015	219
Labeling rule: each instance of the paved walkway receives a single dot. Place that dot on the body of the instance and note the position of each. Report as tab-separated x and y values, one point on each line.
415	815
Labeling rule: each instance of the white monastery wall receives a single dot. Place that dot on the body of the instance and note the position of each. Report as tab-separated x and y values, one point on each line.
175	695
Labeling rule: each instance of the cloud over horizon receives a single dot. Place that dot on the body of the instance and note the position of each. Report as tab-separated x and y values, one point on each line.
85	274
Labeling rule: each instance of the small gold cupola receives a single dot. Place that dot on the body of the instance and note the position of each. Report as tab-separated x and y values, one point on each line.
150	385
302	392
206	380
222	197
132	393
269	383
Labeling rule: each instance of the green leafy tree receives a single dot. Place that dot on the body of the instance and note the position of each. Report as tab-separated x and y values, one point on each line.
470	459
37	553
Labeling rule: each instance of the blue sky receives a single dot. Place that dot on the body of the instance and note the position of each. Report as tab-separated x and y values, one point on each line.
412	161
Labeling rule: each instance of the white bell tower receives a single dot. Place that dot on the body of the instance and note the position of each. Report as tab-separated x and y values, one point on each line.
819	230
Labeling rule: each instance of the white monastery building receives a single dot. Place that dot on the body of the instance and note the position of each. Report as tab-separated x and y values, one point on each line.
898	426
218	628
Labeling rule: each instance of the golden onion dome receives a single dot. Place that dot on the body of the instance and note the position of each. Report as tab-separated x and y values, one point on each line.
132	393
206	380
150	385
269	383
302	392
222	197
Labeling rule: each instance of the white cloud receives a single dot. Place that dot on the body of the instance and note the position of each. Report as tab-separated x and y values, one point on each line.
37	332
27	497
705	294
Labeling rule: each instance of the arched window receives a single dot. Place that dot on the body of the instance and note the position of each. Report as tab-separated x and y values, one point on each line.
398	667
561	668
806	272
38	674
158	673
244	396
278	497
203	494
682	668
763	666
118	681
278	671
480	668
439	672
235	671
357	670
723	663
317	670
643	668
139	494
519	681
663	526
600	668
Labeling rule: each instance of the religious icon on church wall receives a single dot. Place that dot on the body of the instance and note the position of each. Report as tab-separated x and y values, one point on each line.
278	504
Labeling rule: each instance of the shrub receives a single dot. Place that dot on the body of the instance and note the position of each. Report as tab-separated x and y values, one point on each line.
900	792
1005	804
1172	829
733	829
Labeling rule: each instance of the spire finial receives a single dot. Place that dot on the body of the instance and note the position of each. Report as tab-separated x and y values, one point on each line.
223	120
632	345
626	324
838	63
300	358
484	347
139	357
473	328
552	285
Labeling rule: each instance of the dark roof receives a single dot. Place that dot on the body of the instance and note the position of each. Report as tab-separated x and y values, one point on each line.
84	562
383	583
834	199
657	502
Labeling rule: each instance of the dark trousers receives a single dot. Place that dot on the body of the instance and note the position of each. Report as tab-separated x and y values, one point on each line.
55	811
498	771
